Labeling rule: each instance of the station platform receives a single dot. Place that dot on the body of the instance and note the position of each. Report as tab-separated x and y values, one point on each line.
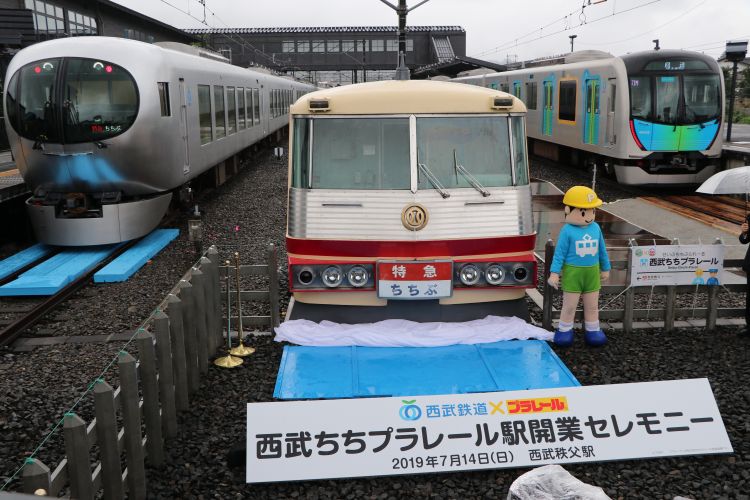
11	185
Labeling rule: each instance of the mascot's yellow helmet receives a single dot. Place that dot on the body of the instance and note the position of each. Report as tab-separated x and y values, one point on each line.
581	197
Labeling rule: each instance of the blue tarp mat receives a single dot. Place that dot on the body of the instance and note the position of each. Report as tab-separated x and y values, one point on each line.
346	372
127	264
23	258
55	273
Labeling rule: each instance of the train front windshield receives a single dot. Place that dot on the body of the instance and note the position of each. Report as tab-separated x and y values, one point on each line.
376	153
675	93
71	100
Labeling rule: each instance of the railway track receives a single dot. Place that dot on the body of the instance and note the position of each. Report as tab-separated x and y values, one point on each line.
723	212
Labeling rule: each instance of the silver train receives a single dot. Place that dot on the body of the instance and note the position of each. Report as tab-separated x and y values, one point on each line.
104	130
648	117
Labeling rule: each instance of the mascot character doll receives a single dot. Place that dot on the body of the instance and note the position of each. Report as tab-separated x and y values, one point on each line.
581	258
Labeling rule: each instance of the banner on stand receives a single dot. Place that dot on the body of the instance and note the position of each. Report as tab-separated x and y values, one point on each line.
677	265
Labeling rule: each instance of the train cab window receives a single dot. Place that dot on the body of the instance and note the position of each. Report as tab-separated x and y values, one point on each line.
640	97
479	144
567	111
35	100
256	105
204	113
241	108
519	151
164	98
531	95
702	101
352	153
667	98
231	111
219	115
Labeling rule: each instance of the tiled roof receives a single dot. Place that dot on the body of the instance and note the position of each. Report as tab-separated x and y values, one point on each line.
324	29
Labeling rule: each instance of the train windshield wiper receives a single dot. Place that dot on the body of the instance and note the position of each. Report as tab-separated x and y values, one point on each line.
433	180
457	168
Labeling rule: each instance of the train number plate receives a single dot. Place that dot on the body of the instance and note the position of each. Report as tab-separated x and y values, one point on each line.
415	280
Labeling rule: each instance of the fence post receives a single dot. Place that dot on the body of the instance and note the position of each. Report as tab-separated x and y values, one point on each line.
627	316
150	389
191	342
177	338
106	432
208	298
213	254
549	252
713	303
131	417
36	476
166	374
77	453
273	286
670	301
199	302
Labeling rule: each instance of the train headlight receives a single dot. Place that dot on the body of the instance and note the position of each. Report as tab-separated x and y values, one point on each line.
357	276
332	276
520	273
469	275
494	274
306	276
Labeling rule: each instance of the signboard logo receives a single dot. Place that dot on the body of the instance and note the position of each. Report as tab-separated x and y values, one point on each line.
409	411
414	217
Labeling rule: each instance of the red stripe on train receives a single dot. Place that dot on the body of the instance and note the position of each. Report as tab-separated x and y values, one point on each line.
411	249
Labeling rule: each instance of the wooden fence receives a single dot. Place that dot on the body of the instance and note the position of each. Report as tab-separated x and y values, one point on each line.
173	354
629	315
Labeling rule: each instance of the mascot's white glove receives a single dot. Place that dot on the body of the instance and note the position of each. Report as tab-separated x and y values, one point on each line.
554	280
604	276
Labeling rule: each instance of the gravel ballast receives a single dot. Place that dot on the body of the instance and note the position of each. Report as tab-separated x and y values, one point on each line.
37	390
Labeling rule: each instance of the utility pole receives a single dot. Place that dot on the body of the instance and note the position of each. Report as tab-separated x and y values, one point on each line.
572	37
735	52
402	71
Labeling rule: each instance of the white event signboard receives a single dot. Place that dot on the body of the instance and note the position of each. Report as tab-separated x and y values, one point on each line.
301	440
677	265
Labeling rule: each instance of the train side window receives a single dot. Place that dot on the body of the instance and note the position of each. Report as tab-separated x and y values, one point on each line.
219	115
250	110
256	105
164	98
504	87
241	111
567	109
204	113
531	95
613	99
231	111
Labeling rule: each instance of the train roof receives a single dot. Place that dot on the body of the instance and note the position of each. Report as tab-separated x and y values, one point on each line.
407	97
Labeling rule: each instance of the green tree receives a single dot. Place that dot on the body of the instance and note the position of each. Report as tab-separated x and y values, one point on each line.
743	83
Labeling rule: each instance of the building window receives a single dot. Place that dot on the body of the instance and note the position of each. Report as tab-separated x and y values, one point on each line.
137	35
347	46
567	101
361	45
226	52
204	113
391	45
531	95
303	46
318	46
410	45
80	24
377	45
164	98
287	46
219	117
333	45
48	18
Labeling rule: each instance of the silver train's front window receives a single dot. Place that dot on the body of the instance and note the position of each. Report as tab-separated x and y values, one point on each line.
375	153
481	145
71	100
352	153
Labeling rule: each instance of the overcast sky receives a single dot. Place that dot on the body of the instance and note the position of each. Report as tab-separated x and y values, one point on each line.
495	29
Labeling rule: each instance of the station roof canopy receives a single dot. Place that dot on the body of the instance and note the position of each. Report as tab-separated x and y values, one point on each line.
452	67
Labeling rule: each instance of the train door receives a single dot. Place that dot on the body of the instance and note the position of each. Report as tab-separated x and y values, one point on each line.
547	109
611	101
184	98
591	121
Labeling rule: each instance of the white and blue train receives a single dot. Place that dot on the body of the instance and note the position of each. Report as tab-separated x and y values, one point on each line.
104	130
648	118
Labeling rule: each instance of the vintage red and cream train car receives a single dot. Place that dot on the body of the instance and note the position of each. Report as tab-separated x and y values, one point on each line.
409	199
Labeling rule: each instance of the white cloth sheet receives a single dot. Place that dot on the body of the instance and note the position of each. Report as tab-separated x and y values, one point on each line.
402	333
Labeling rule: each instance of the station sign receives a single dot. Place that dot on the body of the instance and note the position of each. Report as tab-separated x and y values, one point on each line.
415	280
677	265
321	439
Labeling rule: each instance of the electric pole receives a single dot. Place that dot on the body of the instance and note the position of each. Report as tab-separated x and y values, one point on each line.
572	37
402	71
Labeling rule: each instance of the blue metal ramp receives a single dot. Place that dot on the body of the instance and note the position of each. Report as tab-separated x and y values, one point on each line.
55	273
127	264
23	258
346	372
